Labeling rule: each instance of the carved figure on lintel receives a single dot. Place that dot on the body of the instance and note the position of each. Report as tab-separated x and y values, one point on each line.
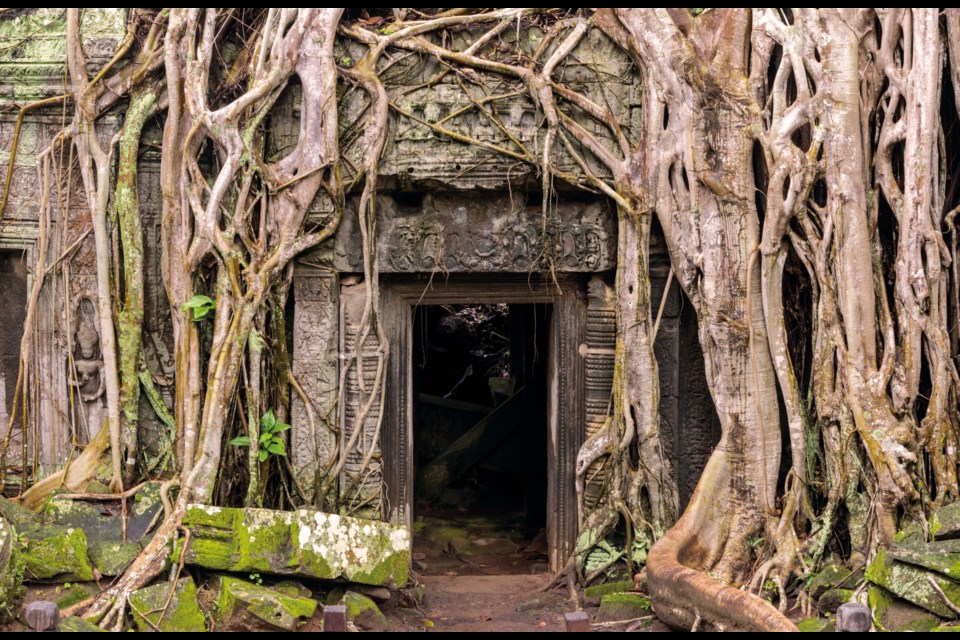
87	358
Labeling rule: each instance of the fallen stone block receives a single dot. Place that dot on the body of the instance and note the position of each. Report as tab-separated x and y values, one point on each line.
244	606
364	613
892	614
830	577
831	599
182	614
912	584
73	595
302	542
102	521
73	624
615	607
111	558
16	514
942	556
55	553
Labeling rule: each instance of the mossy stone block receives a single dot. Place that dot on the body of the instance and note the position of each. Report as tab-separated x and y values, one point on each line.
52	552
16	514
912	584
246	606
73	595
111	558
364	612
73	624
830	577
308	543
622	606
182	614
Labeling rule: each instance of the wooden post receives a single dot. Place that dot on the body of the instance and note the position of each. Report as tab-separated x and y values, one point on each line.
576	621
42	616
335	618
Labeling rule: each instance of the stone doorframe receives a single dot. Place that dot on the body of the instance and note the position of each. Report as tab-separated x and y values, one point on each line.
566	394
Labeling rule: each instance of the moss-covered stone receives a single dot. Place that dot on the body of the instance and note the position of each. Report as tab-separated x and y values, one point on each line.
103	522
16	514
73	595
942	556
309	543
364	613
893	614
946	627
73	624
830	577
11	572
182	614
622	606
831	599
55	553
913	585
593	593
815	625
246	606
111	558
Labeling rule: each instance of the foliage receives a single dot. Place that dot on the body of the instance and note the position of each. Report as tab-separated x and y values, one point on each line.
271	441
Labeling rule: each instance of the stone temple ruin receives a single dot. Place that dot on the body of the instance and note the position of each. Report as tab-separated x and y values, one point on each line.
469	266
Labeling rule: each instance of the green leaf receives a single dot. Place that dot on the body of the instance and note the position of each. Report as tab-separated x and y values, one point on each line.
240	441
268	421
281	426
256	341
263	455
200	305
265	437
277	447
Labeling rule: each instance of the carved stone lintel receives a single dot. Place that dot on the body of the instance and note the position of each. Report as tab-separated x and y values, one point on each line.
459	233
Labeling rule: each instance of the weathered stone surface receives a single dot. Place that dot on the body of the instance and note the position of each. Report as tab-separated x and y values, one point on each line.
892	614
102	522
942	556
912	584
364	613
593	593
15	514
183	613
55	553
622	606
111	558
302	542
243	606
11	572
73	624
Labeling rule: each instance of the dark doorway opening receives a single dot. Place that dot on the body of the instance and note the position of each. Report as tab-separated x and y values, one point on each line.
13	312
481	378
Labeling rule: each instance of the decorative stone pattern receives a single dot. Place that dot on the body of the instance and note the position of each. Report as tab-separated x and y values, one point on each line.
316	367
454	233
302	542
362	478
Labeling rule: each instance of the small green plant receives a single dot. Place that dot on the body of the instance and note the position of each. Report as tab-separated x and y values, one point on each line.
255	577
201	306
271	443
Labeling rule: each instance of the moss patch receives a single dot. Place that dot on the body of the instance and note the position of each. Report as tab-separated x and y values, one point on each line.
73	595
911	583
183	613
11	572
597	591
815	625
16	514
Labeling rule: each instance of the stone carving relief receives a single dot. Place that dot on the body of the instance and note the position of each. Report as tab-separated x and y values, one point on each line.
87	374
462	234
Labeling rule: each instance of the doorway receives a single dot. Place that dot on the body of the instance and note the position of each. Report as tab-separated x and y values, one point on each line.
547	316
480	381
